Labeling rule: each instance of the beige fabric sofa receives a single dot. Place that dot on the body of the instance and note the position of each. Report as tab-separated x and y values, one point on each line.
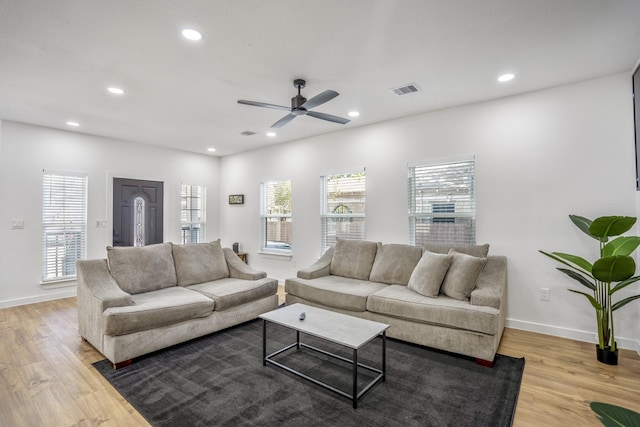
404	286
142	299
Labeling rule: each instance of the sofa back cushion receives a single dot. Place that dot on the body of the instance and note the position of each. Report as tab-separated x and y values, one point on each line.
199	263
142	269
479	251
353	258
394	263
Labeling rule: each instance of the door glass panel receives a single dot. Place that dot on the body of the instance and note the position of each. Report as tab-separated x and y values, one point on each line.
138	222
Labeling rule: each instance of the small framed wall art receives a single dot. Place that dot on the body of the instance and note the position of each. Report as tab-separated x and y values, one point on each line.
236	199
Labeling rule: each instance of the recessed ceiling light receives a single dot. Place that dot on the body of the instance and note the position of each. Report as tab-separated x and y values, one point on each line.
211	150
271	134
353	114
506	77
115	90
191	34
74	124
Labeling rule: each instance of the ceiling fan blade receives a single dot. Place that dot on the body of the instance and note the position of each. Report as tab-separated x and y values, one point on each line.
263	104
283	121
319	99
328	117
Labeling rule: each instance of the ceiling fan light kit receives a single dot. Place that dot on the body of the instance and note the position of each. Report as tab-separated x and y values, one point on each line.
300	106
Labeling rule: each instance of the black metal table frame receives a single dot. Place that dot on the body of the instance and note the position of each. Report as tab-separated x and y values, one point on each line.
355	395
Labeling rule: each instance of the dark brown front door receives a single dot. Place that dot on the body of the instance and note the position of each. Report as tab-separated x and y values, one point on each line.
137	212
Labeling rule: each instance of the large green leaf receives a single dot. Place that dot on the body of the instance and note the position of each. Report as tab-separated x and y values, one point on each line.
591	299
573	261
579	277
623	245
624	302
606	226
613	268
623	284
615	416
582	223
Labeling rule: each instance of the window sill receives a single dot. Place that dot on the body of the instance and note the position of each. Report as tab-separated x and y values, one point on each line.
276	255
57	284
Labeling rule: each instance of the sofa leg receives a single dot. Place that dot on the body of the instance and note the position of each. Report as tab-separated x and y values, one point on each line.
482	362
122	364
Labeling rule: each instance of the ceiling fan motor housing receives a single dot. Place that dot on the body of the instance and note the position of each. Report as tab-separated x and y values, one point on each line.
296	105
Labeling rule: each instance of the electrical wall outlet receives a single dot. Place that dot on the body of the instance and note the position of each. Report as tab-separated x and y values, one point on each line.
544	294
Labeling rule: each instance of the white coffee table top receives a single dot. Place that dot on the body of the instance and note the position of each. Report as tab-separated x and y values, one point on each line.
349	331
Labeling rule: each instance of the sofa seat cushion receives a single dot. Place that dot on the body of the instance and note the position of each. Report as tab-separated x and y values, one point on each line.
199	262
334	291
394	263
156	309
142	269
402	302
353	258
230	292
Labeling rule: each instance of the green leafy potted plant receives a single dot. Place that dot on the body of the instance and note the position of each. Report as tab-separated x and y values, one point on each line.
615	416
613	271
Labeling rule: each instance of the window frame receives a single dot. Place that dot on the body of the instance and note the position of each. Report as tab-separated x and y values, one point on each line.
327	214
265	217
185	197
436	208
71	207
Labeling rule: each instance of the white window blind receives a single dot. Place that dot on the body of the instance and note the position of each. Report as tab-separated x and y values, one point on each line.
276	216
442	205
343	207
64	224
192	213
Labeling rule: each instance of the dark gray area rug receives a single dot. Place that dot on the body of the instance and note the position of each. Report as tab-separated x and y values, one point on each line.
219	380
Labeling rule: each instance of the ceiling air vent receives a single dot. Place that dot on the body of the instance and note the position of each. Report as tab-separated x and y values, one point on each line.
247	133
406	89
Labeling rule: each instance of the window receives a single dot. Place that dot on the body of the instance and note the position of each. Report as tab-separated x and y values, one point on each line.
442	205
276	216
343	207
64	224
192	213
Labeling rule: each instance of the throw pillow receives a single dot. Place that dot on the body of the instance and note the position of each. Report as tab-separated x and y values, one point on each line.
428	275
353	258
462	275
199	263
394	263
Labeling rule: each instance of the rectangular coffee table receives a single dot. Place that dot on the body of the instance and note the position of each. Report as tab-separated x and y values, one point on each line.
349	331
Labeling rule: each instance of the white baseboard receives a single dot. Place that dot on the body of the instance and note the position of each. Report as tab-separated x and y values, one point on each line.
61	293
573	334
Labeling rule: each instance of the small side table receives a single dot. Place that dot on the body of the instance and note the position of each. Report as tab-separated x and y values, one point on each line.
243	257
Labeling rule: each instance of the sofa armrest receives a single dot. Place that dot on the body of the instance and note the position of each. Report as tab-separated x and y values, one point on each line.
97	291
491	284
322	267
238	269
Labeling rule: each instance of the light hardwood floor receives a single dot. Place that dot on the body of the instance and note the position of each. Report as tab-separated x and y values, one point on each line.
46	377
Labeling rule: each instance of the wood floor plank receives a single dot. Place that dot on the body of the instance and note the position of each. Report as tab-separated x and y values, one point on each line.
46	376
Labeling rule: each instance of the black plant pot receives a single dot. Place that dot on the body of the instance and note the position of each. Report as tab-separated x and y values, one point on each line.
606	355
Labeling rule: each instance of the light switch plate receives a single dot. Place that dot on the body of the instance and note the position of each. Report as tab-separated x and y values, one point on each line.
17	224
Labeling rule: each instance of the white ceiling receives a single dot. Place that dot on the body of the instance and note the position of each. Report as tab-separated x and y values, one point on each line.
58	57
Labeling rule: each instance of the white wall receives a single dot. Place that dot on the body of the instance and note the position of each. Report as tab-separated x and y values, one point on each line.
26	150
539	157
